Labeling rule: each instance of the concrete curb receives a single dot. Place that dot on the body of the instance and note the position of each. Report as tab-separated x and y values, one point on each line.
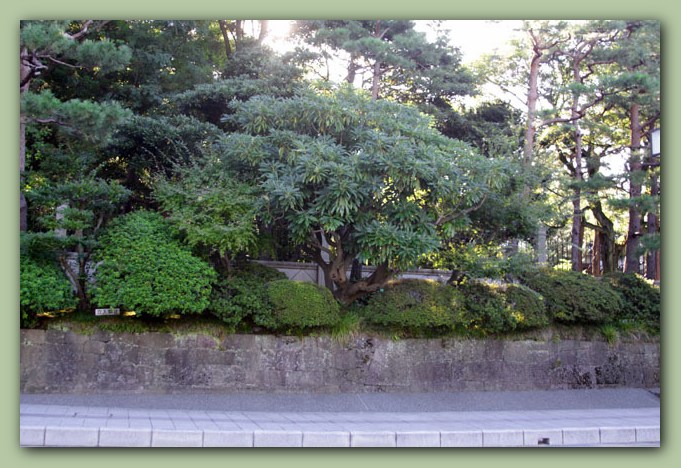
64	426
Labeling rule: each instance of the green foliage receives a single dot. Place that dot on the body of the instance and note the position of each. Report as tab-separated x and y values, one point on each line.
416	307
412	67
81	204
211	208
610	333
209	102
372	175
146	270
43	288
642	300
485	309
88	120
572	297
350	323
297	306
526	306
243	295
54	39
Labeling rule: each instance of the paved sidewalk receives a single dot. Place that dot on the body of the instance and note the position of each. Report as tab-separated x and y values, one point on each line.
620	417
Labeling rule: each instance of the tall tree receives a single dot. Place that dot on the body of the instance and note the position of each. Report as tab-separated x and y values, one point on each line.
633	82
393	59
372	178
44	45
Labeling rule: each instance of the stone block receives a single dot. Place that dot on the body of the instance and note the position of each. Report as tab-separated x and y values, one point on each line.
326	439
31	436
461	439
648	434
542	437
372	439
590	436
503	438
618	435
227	439
418	439
71	437
277	439
124	437
176	438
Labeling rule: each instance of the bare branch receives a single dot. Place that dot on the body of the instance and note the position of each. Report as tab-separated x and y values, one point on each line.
444	219
81	33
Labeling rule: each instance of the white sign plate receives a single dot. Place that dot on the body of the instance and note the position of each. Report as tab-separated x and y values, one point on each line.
107	311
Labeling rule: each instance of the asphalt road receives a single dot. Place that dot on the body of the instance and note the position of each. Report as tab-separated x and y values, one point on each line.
367	402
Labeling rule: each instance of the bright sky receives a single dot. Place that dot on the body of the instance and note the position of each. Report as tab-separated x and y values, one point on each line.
472	37
477	37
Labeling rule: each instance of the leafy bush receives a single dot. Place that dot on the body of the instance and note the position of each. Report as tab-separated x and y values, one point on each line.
485	309
572	297
416	307
43	288
145	269
244	294
526	306
642	301
297	305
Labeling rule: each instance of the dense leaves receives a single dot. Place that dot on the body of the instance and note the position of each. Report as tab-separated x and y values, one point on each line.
371	177
144	269
212	209
297	306
572	297
199	121
43	288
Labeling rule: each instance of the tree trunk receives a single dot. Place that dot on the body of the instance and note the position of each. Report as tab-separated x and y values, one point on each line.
77	280
225	37
631	264
528	148
376	76
264	30
25	74
350	292
352	69
23	204
576	234
375	80
652	258
596	251
605	232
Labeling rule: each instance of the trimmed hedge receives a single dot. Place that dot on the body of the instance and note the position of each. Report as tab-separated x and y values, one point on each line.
145	269
43	288
297	305
575	298
526	306
642	300
416	306
244	295
485	310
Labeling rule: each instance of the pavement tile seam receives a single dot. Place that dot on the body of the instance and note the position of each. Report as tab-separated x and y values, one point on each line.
473	428
112	437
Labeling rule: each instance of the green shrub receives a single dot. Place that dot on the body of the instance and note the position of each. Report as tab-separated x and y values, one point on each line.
575	298
642	301
43	288
416	307
297	305
485	309
526	306
244	294
145	269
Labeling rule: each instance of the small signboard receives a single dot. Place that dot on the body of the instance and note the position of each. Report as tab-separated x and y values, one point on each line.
107	311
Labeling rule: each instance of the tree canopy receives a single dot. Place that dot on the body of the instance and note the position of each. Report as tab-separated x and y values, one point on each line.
403	160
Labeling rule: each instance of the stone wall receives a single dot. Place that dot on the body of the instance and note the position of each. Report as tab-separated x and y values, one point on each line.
64	362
